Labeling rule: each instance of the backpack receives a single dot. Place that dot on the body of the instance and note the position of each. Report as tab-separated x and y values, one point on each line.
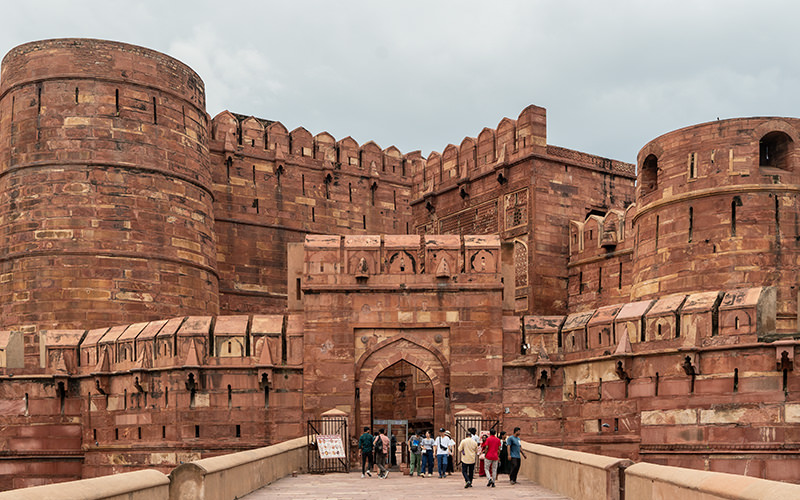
415	445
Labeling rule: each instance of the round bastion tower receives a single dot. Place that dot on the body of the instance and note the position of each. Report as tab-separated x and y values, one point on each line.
105	187
717	208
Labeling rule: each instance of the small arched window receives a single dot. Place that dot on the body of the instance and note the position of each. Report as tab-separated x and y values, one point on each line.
649	174
774	150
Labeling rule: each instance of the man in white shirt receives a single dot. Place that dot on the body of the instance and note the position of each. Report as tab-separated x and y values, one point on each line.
444	447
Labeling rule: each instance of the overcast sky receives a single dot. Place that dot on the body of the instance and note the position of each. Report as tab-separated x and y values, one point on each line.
421	74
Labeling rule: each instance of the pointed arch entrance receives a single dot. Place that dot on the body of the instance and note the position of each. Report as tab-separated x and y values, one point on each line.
404	393
406	354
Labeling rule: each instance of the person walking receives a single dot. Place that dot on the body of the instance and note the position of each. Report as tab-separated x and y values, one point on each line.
414	454
450	460
427	454
514	452
491	448
468	449
393	453
365	447
504	465
381	444
443	445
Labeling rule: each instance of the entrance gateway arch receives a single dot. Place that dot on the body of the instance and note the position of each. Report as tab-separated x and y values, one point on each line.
425	359
367	322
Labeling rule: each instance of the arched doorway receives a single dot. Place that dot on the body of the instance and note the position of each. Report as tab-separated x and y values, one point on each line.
398	359
402	399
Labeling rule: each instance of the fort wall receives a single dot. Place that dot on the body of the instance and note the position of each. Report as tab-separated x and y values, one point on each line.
105	187
508	181
175	287
717	203
272	187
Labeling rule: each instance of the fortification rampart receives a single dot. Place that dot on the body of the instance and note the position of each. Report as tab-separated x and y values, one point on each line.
508	181
600	259
105	187
151	394
273	186
717	203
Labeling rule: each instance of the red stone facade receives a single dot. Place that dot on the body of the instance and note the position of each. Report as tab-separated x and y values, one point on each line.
175	286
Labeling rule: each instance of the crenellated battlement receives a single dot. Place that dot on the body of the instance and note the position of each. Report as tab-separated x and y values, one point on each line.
375	260
258	137
188	342
682	321
493	150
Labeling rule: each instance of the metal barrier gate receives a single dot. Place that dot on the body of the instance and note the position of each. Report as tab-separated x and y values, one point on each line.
328	437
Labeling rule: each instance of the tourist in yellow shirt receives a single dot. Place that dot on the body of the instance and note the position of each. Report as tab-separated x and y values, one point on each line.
468	449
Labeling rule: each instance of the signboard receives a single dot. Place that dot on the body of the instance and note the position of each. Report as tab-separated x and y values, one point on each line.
330	446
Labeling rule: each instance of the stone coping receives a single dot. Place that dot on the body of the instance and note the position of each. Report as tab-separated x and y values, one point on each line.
138	485
645	481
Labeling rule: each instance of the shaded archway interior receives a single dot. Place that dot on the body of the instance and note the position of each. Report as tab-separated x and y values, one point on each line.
403	392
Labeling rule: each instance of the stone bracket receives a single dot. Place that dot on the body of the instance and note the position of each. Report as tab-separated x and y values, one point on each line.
690	365
542	374
622	368
784	355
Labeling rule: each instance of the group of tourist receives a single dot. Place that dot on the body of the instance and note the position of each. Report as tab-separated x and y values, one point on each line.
423	448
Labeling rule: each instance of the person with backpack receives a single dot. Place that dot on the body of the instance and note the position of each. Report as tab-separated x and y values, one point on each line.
427	454
444	448
365	446
414	454
381	444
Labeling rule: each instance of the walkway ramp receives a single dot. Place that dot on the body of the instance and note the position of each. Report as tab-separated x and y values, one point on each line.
397	486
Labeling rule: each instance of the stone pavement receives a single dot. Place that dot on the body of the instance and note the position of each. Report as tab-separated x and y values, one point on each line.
396	486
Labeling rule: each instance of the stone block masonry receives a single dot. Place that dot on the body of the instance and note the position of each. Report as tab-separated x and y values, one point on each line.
175	287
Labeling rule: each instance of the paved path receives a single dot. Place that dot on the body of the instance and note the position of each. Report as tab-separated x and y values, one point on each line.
396	486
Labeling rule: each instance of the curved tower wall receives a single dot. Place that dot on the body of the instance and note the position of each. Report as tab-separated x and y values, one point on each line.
105	187
717	207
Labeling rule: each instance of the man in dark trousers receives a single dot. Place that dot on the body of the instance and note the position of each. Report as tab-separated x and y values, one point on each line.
365	446
514	451
381	445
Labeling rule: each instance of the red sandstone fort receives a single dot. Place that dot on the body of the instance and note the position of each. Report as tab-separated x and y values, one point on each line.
176	286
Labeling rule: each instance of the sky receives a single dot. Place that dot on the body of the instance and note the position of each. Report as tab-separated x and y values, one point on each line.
419	75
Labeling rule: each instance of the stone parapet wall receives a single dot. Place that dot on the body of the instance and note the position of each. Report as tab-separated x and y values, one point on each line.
580	476
237	474
219	478
139	485
652	482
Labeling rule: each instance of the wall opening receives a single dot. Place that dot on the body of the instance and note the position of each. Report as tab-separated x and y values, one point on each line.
774	150
403	392
649	174
735	202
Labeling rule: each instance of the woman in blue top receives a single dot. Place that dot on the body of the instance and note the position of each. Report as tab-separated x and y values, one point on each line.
427	454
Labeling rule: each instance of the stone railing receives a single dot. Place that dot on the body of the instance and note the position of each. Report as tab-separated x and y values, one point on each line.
650	481
224	477
138	485
578	475
237	474
583	476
